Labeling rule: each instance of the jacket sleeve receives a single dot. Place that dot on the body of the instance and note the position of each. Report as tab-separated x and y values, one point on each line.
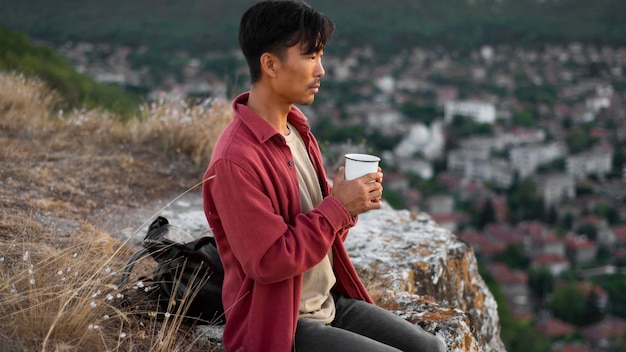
269	249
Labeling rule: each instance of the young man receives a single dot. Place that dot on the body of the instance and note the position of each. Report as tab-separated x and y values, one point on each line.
280	227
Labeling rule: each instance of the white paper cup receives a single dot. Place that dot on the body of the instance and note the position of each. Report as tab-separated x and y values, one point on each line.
358	165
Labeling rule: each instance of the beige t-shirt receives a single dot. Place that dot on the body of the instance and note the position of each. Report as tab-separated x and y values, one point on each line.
316	301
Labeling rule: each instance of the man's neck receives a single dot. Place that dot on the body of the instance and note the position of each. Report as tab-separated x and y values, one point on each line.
267	107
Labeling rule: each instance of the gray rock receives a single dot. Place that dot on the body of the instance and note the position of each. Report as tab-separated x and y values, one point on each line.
423	273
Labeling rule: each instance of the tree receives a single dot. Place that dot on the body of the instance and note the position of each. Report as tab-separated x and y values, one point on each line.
568	304
514	257
524	203
588	230
523	118
423	114
486	215
593	312
577	141
541	282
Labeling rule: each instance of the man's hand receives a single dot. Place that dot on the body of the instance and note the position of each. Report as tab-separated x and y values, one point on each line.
358	195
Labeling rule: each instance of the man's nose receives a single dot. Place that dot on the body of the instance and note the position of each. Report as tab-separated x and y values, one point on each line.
319	71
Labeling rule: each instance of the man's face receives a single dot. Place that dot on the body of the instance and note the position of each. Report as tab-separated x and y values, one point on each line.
298	76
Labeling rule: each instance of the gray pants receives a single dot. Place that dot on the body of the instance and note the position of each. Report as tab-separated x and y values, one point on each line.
363	327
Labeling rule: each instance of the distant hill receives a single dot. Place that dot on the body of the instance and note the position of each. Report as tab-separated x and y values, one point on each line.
211	25
18	53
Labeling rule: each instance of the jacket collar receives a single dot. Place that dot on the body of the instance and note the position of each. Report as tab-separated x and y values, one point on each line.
260	128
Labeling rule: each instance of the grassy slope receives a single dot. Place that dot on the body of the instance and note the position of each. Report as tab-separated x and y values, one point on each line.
65	180
17	53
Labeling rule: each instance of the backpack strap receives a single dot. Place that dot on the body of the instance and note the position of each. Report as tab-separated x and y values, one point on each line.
131	263
154	238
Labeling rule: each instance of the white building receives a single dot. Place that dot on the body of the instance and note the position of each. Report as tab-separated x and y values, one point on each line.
430	142
461	161
554	188
476	164
497	171
595	162
527	159
479	111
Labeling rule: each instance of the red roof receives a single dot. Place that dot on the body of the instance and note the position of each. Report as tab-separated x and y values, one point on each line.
504	275
554	328
599	133
578	242
548	259
620	232
492	247
592	220
609	327
538	231
504	233
572	347
587	287
444	218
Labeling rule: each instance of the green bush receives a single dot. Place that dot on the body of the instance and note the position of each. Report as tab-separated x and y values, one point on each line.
17	53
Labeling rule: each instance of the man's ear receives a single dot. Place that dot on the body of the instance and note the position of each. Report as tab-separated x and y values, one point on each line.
269	64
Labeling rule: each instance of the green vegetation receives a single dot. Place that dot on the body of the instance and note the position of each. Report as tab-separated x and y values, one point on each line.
517	336
566	301
17	53
204	26
419	113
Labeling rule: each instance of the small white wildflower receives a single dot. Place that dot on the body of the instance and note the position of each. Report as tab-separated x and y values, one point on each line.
93	304
13	289
123	335
109	297
119	295
76	273
107	270
147	289
74	255
140	284
96	294
90	326
25	257
32	281
105	317
167	314
63	278
60	272
1	259
115	288
30	271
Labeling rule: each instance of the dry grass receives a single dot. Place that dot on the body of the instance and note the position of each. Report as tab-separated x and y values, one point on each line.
68	177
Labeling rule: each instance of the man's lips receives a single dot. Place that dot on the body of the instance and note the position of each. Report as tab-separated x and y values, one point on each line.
315	87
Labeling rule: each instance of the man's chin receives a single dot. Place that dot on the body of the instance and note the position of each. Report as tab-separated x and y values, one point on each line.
307	101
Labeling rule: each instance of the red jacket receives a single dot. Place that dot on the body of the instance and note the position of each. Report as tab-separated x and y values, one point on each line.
252	203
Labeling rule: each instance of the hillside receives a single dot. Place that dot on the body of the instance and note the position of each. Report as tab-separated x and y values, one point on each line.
18	53
205	26
71	182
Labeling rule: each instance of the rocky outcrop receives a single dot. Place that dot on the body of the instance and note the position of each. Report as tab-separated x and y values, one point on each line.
421	272
426	274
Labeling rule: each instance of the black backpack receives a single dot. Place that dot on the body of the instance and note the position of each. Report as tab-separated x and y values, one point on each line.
189	273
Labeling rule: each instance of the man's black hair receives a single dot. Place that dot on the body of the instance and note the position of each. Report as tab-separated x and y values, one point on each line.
275	25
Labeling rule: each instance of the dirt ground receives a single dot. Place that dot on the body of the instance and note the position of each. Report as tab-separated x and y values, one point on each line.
49	189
